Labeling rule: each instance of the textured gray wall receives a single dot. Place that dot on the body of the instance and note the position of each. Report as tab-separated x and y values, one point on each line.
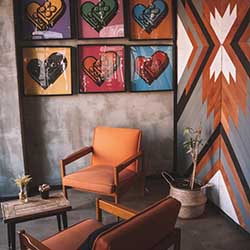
11	153
57	126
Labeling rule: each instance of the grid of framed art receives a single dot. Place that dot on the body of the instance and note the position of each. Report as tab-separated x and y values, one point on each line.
100	68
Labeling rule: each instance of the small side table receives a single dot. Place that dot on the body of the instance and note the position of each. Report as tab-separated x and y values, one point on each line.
15	212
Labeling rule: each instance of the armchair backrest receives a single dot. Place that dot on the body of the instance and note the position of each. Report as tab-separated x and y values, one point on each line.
144	230
111	146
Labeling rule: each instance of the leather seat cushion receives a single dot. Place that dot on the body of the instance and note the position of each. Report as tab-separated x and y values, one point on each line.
97	179
73	237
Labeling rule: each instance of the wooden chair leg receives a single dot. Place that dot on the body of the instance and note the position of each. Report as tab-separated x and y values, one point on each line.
117	199
98	211
141	185
177	244
22	246
65	191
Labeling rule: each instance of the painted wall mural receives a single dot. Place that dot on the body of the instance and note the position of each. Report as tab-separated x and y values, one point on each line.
214	89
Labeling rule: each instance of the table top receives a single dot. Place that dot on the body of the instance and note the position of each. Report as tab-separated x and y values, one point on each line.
15	210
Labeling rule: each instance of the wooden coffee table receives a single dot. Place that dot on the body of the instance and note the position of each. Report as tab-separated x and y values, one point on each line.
15	212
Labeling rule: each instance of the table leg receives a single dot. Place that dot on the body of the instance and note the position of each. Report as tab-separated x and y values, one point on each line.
9	236
59	222
64	220
12	236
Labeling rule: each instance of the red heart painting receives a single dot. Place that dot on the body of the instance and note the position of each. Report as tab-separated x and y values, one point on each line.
101	69
149	69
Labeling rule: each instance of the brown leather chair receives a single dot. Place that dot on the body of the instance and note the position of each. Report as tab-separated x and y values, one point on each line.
153	228
114	164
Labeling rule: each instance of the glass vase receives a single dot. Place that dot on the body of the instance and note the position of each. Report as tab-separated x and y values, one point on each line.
23	197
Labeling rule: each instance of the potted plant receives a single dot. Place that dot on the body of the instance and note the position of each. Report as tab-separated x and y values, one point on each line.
22	182
189	192
44	191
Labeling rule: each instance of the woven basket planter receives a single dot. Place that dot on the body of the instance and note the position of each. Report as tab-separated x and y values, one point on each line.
193	202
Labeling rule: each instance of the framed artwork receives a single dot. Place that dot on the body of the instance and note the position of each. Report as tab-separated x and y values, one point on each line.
151	68
151	19
100	19
45	19
47	70
101	68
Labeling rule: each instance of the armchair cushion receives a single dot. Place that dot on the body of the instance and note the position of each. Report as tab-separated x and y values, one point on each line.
102	178
73	237
114	145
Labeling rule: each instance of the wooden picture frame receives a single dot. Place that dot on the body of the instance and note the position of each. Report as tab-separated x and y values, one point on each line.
92	25
47	70
151	68
151	20
101	68
45	19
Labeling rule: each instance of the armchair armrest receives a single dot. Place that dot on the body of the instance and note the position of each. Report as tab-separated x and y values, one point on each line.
76	155
73	157
28	242
114	209
128	161
125	164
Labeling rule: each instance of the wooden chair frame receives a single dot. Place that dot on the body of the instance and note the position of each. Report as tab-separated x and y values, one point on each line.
117	169
120	211
28	242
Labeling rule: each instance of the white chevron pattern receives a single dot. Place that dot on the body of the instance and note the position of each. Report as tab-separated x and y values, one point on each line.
222	26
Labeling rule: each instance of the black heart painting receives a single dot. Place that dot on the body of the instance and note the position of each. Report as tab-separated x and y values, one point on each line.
47	72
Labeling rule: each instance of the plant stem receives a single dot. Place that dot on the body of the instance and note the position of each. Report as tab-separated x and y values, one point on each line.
193	175
194	159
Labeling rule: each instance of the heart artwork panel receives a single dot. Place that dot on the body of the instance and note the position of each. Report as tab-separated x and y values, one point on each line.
45	19
101	68
151	19
151	68
44	15
100	18
47	70
100	14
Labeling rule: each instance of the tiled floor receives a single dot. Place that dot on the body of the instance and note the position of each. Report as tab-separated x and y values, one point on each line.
212	231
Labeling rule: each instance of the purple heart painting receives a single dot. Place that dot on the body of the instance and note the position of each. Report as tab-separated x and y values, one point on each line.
43	20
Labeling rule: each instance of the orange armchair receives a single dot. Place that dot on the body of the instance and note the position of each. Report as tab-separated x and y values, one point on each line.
114	164
153	228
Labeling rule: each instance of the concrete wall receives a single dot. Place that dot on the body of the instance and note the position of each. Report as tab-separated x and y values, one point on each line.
56	126
11	153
